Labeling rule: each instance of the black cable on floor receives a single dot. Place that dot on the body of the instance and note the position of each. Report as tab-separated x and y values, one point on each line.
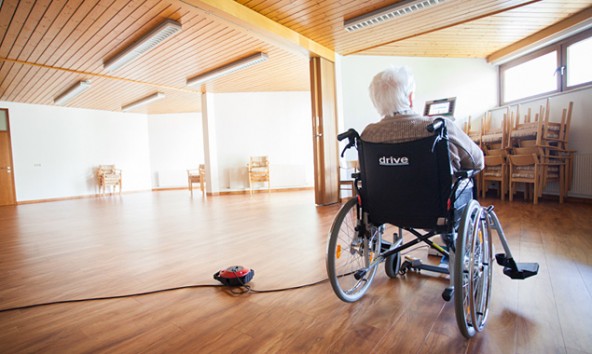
109	297
232	290
243	289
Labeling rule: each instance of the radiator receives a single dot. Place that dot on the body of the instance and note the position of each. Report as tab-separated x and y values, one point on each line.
581	181
582	176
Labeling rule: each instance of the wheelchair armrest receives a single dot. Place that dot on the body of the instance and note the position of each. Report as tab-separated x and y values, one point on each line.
465	174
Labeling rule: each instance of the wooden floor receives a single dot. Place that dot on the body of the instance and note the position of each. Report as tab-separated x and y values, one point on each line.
146	241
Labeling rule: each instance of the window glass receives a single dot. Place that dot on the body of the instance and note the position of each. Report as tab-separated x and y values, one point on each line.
531	78
579	69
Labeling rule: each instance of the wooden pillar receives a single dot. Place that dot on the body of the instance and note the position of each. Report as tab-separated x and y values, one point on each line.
324	130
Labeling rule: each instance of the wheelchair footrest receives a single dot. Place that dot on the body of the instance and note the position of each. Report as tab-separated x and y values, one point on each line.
516	270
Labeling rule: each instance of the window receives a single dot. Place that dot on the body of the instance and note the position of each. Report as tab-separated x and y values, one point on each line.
578	62
558	67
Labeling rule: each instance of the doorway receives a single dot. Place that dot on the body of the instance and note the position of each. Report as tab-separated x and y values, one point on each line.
7	191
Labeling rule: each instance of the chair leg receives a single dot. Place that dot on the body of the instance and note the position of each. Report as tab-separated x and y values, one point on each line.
483	188
561	183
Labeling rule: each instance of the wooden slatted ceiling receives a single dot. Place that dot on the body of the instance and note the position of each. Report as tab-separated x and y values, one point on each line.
78	35
322	21
479	38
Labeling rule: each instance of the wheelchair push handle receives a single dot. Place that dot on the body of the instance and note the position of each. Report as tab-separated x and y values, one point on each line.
350	134
437	125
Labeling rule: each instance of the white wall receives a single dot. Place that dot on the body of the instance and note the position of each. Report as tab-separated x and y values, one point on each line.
276	124
176	145
472	81
56	149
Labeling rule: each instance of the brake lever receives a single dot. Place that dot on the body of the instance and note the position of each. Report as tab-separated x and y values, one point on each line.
350	144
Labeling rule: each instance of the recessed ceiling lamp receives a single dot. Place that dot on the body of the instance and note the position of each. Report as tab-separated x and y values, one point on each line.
228	68
387	13
143	101
71	92
156	36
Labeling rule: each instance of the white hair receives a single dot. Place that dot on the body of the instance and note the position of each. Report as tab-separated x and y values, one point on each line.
390	90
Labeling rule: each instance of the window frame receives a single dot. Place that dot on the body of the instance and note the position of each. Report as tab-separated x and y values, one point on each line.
561	78
566	43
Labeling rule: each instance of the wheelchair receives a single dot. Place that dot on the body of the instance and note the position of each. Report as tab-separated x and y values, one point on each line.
410	185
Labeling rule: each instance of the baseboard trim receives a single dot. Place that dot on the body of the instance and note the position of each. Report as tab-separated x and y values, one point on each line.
257	191
61	199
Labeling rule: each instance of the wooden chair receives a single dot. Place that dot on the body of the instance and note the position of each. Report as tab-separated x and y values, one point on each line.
552	136
525	168
197	176
495	136
473	133
496	170
346	183
258	171
108	176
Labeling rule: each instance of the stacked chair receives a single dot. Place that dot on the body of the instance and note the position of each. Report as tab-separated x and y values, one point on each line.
472	132
531	150
494	142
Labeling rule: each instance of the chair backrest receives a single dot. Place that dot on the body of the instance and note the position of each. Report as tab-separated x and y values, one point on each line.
407	184
257	162
107	170
199	172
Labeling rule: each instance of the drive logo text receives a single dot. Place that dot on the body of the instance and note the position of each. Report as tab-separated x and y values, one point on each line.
393	161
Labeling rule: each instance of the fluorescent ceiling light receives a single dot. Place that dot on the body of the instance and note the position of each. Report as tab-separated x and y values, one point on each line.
387	13
149	41
71	92
143	101
228	68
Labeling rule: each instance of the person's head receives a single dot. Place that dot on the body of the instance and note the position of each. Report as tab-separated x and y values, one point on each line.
391	90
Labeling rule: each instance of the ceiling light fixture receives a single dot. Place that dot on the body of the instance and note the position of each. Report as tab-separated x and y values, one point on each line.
143	101
71	92
387	13
150	40
228	68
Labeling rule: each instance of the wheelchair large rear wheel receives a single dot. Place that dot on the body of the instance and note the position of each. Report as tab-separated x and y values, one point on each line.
349	253
472	270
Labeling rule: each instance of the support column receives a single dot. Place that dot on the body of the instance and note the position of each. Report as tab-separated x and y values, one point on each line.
208	118
324	123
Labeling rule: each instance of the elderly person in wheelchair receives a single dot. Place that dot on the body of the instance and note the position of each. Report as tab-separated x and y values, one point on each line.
416	174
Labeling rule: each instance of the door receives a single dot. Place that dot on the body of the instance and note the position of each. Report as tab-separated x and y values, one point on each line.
7	193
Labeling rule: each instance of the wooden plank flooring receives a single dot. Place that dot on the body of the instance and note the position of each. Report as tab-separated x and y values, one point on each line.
146	241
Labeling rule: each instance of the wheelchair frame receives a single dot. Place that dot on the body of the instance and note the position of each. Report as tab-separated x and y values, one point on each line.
356	248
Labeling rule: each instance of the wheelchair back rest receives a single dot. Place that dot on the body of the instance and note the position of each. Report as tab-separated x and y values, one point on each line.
406	184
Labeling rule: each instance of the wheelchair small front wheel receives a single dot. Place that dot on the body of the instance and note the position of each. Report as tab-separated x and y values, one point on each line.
472	270
392	265
350	252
